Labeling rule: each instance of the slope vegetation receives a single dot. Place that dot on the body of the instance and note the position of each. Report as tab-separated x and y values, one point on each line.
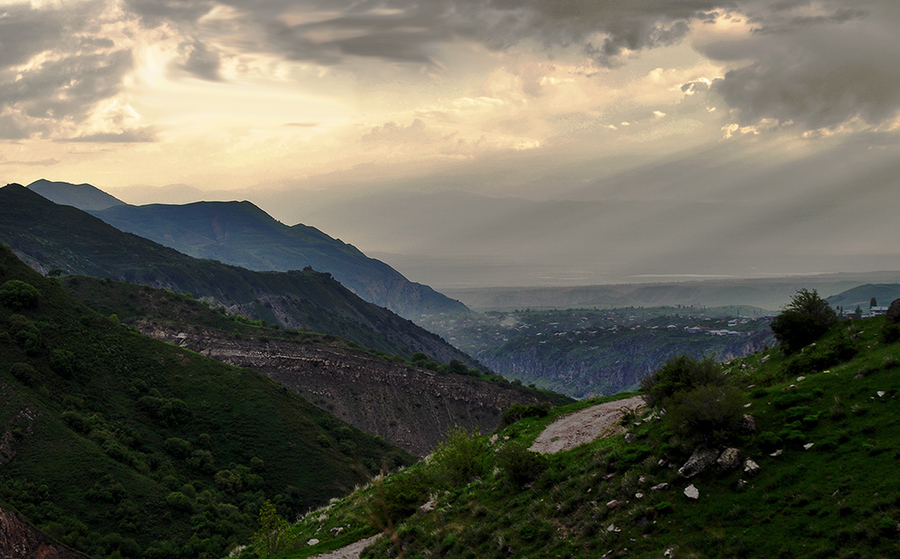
119	445
810	471
410	405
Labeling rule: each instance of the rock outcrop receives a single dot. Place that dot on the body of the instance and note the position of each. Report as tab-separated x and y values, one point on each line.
21	540
411	407
893	313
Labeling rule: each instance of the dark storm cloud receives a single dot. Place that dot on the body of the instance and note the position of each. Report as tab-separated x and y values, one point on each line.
813	72
200	61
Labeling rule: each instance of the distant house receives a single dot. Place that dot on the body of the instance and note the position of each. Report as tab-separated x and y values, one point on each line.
878	311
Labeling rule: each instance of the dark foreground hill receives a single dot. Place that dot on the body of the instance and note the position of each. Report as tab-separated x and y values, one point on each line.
410	405
62	238
809	470
241	234
119	445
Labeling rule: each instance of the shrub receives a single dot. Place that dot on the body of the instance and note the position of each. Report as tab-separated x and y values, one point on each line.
459	459
804	320
272	536
178	501
63	363
24	373
18	295
520	411
708	414
520	465
179	448
679	374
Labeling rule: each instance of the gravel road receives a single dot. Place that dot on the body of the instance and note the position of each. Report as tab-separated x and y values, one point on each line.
585	426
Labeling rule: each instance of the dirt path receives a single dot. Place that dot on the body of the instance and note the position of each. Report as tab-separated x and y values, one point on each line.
352	551
585	426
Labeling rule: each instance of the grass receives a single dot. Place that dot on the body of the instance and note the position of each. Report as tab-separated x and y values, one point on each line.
839	497
92	457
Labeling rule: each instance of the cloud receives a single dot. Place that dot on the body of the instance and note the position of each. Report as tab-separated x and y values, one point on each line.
393	133
36	163
812	66
138	135
200	61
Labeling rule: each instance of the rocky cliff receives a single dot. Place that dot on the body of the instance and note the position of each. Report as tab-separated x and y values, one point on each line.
411	407
21	540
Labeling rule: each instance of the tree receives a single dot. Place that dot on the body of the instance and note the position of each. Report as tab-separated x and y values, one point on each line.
873	303
804	320
272	535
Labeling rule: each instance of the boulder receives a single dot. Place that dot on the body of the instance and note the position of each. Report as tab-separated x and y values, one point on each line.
701	459
750	467
893	313
729	459
691	492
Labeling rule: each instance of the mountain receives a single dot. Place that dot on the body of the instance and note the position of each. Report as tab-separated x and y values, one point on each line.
118	445
765	293
63	239
412	405
805	466
241	234
861	296
82	196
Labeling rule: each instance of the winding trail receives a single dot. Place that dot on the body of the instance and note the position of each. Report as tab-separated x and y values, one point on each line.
351	551
600	421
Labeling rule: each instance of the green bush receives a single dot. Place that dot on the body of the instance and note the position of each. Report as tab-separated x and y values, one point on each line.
18	295
520	411
24	373
520	465
63	363
708	414
179	501
679	374
459	459
804	320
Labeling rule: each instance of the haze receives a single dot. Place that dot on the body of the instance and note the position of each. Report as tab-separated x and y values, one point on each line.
484	143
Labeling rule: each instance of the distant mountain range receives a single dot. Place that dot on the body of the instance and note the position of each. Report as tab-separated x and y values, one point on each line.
241	234
55	237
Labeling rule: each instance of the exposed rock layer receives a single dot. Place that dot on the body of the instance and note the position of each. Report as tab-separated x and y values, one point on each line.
408	406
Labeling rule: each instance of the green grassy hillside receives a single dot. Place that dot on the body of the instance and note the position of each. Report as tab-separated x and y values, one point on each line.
119	445
826	441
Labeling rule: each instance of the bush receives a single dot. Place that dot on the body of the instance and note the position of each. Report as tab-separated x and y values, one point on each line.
18	295
804	320
708	414
63	363
680	374
520	465
24	373
459	459
520	411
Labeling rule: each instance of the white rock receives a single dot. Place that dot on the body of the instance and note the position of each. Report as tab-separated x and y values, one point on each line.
613	528
800	379
808	446
751	467
776	454
638	495
659	487
313	541
691	492
881	393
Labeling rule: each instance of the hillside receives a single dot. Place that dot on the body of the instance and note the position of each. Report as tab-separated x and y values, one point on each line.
808	472
63	239
241	234
406	404
116	445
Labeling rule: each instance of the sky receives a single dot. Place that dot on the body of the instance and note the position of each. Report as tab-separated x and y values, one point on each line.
492	142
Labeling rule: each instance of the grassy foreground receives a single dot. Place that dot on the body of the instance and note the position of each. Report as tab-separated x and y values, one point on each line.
826	440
